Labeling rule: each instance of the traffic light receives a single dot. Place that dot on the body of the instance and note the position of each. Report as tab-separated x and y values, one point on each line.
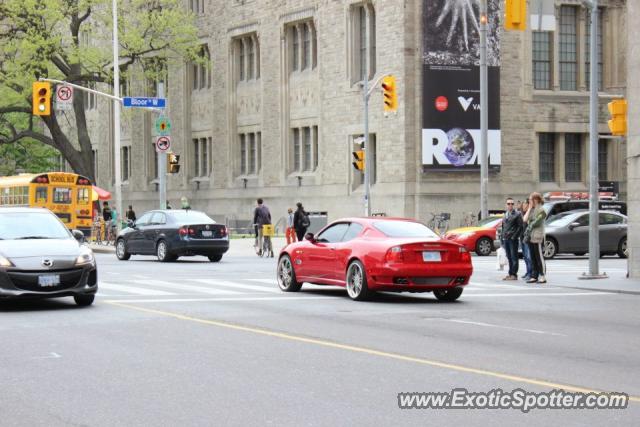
389	94
41	99
358	161
515	15
618	112
173	163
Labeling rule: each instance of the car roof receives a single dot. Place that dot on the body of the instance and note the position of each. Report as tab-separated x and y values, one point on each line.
582	211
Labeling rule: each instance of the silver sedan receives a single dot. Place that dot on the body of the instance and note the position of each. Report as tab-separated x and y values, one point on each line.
568	232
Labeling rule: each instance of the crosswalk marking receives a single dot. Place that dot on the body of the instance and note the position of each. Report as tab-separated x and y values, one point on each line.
131	289
237	285
184	287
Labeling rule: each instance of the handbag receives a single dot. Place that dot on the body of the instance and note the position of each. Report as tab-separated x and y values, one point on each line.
502	258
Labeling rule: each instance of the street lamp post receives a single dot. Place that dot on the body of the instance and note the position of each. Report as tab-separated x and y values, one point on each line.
484	161
116	113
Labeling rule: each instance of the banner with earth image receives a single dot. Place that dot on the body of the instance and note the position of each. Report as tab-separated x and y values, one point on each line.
451	85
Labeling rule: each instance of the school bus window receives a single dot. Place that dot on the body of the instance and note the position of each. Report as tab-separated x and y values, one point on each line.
41	194
62	195
83	196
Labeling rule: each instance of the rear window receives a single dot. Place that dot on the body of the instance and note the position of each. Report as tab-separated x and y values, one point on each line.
403	229
192	217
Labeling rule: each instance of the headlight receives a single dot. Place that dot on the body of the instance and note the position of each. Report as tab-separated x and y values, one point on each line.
85	257
4	262
465	235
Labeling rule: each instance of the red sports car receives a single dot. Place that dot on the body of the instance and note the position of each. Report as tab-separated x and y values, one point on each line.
377	254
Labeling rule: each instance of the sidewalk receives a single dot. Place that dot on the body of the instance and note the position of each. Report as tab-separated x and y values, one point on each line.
615	282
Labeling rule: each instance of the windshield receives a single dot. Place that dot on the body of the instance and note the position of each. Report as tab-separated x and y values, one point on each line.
489	221
404	229
559	219
191	217
31	225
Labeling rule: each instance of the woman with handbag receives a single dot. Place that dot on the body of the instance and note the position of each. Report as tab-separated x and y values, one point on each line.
534	237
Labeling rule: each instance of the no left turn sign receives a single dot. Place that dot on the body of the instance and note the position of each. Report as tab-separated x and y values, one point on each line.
163	143
64	97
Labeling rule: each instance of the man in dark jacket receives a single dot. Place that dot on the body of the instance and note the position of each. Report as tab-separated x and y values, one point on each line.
511	231
261	216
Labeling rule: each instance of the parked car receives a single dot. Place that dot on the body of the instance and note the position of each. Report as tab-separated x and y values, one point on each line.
170	234
556	207
41	258
568	232
376	254
479	238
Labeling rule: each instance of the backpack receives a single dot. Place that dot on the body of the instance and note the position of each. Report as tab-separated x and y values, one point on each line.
304	221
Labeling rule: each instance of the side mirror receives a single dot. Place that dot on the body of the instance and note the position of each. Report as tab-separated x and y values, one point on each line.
310	237
78	235
574	225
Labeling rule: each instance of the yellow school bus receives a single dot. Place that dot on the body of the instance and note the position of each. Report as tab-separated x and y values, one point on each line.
68	195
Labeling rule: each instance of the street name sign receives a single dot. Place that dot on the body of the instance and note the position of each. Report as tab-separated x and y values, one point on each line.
140	102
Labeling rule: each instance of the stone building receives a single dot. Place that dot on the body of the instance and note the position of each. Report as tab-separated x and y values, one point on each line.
633	151
279	111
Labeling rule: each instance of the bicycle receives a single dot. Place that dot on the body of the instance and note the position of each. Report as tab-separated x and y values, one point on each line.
267	246
97	232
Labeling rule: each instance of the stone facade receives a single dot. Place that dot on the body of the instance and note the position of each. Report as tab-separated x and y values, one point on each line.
323	98
633	147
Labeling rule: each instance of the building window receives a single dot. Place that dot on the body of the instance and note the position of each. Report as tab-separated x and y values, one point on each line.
542	57
197	6
126	163
305	149
206	159
303	46
94	158
157	72
603	160
362	18
587	53
573	157
295	48
250	153
90	99
202	71
196	157
154	161
547	148
247	54
568	48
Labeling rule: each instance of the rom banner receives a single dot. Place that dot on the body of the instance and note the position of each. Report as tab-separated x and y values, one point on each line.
451	85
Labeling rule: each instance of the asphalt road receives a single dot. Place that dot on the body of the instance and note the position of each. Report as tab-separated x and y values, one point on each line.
200	343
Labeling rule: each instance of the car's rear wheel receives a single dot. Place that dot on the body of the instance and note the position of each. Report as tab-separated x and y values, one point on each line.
550	248
484	246
84	300
215	258
287	281
623	251
162	252
357	287
448	294
121	250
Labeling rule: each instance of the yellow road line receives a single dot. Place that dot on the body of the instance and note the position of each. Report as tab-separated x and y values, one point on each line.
370	351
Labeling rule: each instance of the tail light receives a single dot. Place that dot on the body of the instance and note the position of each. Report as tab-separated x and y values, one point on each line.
465	256
223	231
183	231
394	254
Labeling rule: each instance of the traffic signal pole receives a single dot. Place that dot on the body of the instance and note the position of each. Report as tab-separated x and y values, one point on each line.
162	166
116	114
484	123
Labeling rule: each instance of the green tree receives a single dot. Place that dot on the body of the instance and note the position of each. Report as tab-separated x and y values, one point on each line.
70	40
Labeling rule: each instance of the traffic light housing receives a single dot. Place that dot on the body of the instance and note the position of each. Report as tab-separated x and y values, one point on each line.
389	94
515	15
618	112
358	160
41	99
173	163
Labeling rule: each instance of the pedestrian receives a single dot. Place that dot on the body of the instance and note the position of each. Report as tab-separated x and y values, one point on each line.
301	221
168	205
261	216
534	236
106	217
511	231
131	215
526	253
290	231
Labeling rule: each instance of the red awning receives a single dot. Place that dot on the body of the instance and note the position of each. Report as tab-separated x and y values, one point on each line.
100	194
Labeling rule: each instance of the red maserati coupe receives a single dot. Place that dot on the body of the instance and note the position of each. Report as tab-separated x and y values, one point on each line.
377	254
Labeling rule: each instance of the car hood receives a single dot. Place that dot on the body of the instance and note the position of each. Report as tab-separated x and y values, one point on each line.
463	230
39	247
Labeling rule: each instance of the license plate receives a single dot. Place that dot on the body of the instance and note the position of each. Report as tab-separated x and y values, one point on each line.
50	280
431	256
207	233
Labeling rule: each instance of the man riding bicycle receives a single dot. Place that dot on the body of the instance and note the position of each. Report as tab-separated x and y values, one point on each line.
261	216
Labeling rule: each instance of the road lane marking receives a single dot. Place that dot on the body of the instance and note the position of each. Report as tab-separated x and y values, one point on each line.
183	287
132	289
492	325
365	350
541	294
222	299
236	285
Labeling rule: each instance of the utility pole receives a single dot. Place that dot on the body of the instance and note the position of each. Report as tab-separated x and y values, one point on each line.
594	238
162	163
365	91
116	113
484	124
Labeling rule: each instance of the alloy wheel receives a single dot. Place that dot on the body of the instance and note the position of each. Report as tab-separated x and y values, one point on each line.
354	280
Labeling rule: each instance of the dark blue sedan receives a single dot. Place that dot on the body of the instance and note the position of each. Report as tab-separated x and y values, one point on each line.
169	234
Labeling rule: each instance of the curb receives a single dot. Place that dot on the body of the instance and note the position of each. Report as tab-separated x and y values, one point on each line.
608	291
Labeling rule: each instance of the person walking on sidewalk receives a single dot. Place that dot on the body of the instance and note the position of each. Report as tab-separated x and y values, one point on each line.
526	253
261	216
301	221
290	231
511	231
534	235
